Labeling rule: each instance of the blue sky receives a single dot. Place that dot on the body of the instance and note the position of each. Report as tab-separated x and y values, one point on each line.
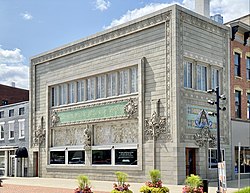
29	27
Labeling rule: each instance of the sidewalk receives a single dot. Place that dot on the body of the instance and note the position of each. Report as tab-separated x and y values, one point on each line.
106	186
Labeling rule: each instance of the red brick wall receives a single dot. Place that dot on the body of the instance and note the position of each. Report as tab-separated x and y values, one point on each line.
240	82
12	94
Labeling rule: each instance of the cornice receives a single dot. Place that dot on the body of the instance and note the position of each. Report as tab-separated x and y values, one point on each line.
102	38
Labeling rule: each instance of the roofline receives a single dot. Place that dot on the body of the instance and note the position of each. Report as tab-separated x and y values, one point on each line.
237	19
13	87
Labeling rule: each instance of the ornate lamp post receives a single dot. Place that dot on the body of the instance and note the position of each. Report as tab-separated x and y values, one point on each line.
217	114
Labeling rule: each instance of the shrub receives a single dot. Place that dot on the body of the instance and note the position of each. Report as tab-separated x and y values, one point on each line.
121	186
193	184
83	185
244	190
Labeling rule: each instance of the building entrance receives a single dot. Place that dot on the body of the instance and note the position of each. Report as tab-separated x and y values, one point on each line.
190	161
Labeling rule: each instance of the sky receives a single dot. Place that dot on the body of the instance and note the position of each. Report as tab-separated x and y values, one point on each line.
29	27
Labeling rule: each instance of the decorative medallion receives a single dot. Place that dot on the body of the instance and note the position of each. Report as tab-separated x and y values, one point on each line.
54	119
155	126
204	136
202	120
131	108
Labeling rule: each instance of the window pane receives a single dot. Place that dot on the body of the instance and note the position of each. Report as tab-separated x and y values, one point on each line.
188	75
11	112
21	111
101	157
1	114
126	157
201	78
71	92
248	68
215	78
57	157
91	88
212	158
134	79
80	90
237	104
248	105
53	96
237	64
111	84
123	82
101	86
76	157
2	132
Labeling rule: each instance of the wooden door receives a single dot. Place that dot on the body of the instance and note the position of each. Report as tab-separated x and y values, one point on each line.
190	161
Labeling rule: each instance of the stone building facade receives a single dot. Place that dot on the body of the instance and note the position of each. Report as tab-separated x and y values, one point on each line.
240	91
14	139
131	98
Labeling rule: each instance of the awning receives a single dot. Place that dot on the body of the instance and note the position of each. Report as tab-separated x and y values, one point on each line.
21	152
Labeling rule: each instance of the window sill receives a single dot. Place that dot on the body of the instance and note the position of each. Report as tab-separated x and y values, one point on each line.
21	138
11	138
238	77
2	139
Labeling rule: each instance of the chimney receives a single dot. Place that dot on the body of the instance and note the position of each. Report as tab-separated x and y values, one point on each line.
13	84
203	7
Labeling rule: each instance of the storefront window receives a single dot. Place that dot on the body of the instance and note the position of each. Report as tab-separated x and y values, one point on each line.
101	157
244	159
57	157
125	157
76	157
212	158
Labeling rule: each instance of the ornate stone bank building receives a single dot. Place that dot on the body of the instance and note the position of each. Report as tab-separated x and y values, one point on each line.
129	99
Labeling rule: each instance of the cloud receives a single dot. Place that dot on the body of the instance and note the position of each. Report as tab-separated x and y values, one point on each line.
102	4
27	16
228	9
13	68
136	13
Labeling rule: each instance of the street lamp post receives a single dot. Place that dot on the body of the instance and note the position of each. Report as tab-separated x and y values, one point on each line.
217	114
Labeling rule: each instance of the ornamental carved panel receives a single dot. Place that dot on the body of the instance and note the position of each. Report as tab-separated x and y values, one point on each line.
111	133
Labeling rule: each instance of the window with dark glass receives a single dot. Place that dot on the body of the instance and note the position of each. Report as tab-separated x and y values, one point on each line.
21	111
1	114
201	74
57	157
11	112
76	157
248	68
237	64
212	158
237	104
126	157
1	131
248	105
188	75
101	157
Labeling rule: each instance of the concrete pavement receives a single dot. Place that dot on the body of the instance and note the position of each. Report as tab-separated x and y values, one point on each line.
106	186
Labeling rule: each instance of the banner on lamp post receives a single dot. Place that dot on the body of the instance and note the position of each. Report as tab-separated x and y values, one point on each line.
222	176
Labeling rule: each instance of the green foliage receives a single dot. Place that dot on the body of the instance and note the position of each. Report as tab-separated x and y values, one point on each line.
155	175
244	190
147	189
194	181
124	191
121	177
83	181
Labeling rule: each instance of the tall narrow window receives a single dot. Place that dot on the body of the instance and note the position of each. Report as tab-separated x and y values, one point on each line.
248	105
201	78
91	88
237	104
248	68
134	79
21	127
11	129
1	131
54	96
71	92
112	84
188	74
62	94
123	82
101	86
215	78
237	64
80	90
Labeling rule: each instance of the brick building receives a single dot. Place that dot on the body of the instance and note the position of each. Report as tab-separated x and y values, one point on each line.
10	95
240	90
